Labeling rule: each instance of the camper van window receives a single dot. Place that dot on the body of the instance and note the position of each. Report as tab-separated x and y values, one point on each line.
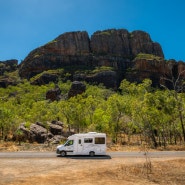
88	140
79	141
99	140
69	142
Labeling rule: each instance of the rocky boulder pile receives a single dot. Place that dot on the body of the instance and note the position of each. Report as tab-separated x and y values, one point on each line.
42	133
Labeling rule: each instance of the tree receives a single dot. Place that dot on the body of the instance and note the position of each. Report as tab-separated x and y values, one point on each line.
5	121
178	85
116	108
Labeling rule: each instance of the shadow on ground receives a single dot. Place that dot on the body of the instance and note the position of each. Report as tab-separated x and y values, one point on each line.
86	157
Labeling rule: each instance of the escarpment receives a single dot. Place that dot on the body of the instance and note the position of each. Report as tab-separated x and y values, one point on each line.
133	56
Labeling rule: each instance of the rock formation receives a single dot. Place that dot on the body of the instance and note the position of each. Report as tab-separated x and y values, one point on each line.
45	79
7	66
76	88
50	133
111	48
78	55
54	94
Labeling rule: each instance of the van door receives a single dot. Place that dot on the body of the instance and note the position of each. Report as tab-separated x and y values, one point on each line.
80	146
69	147
88	145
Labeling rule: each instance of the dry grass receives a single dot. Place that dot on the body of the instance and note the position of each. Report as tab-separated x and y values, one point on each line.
62	171
13	146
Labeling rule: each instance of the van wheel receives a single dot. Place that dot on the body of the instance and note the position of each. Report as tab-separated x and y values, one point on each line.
92	154
63	153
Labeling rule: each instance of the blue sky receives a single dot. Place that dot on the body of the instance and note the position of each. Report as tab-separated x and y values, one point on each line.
28	24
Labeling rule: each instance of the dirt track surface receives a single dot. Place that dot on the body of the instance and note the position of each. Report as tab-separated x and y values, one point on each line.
67	171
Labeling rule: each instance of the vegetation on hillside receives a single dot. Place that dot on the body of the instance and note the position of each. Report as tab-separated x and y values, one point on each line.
148	57
155	115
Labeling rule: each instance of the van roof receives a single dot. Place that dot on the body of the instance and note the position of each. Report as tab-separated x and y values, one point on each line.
88	134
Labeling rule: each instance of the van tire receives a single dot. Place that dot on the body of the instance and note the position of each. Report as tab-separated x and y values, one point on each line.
92	154
63	153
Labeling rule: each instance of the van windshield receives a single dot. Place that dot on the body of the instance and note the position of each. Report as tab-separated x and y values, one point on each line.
68	143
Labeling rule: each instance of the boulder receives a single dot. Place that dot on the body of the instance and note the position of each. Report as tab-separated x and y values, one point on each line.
76	88
38	133
61	124
41	133
25	133
55	129
54	94
56	139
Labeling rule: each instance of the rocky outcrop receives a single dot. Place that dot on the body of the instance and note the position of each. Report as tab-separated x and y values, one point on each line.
111	42
54	94
45	79
112	48
145	68
56	128
38	133
51	133
70	48
76	88
5	82
8	66
141	42
77	55
108	78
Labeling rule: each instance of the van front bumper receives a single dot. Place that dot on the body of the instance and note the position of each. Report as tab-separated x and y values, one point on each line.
58	151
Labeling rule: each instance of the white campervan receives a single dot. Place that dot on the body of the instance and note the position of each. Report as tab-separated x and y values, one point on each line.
91	143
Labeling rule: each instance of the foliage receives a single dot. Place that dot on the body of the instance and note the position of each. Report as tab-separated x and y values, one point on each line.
101	69
13	76
148	57
55	72
135	109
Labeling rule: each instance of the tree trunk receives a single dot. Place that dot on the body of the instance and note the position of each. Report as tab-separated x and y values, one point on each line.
153	139
182	124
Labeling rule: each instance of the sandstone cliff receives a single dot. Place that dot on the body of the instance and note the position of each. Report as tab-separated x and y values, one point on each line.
118	49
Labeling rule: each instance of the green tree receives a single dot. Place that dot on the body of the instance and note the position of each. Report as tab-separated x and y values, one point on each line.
178	85
5	121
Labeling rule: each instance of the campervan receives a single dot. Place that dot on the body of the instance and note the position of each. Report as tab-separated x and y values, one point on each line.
91	143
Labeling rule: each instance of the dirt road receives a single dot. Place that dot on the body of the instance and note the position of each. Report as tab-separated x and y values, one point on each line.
67	171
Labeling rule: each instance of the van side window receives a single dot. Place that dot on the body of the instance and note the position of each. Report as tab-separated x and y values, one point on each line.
88	140
79	141
99	140
68	143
